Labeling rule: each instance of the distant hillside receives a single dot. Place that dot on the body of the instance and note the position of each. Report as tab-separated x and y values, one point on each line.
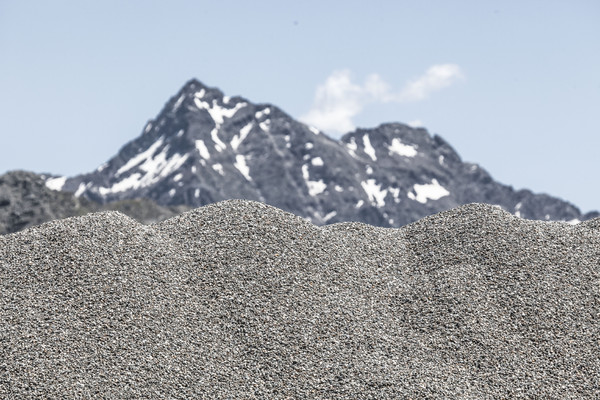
25	201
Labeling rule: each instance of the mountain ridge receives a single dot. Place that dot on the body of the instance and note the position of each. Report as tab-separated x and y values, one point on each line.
26	201
204	147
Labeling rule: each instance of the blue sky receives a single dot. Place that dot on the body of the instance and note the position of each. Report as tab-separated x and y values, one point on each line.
512	85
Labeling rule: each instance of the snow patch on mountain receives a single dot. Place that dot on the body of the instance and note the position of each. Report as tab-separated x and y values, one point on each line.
141	157
395	193
264	111
368	148
265	125
218	168
317	162
517	208
351	146
81	189
238	139
314	187
218	115
56	183
155	168
102	167
374	192
200	94
178	102
402	149
329	215
202	149
219	145
163	166
240	164
428	191
130	182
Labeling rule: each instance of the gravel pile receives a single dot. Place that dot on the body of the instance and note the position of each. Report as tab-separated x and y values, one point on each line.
242	300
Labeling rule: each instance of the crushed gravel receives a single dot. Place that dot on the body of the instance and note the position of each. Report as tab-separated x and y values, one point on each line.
242	300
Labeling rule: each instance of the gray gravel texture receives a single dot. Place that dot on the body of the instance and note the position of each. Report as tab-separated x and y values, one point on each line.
242	300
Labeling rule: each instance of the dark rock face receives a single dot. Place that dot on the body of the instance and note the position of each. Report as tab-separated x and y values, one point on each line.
26	201
205	147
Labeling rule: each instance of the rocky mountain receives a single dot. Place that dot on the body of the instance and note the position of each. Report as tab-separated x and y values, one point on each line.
25	201
204	147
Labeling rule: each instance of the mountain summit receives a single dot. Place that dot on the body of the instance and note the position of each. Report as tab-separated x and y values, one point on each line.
205	147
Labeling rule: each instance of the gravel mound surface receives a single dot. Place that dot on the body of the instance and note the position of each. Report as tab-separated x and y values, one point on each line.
242	300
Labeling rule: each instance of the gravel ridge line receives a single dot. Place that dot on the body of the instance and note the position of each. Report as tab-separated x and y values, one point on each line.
239	299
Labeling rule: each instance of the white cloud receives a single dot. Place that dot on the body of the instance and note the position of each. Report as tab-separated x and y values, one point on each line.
435	78
417	123
339	100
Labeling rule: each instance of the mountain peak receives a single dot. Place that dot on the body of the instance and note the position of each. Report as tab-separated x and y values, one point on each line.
204	147
194	84
195	89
